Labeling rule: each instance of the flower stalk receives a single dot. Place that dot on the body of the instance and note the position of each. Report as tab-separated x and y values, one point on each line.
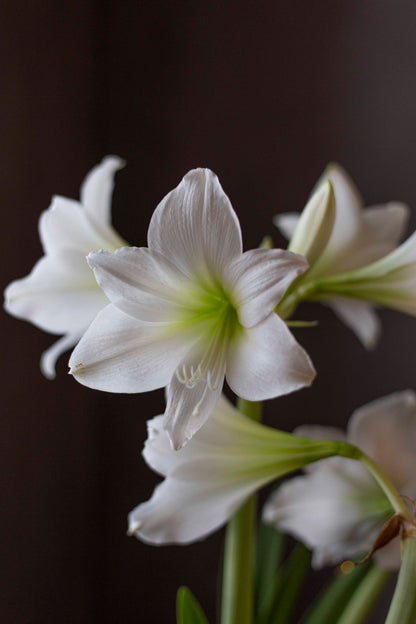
386	485
403	606
237	603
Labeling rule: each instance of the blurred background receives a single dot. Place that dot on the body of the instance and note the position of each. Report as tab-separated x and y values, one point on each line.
263	93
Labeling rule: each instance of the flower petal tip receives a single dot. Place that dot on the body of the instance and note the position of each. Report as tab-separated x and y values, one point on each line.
176	443
78	369
119	162
47	371
133	529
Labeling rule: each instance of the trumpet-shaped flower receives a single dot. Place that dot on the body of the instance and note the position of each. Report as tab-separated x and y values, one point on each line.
191	309
61	295
228	459
337	508
361	264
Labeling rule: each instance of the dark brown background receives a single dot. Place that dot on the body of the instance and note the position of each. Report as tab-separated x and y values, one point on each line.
264	93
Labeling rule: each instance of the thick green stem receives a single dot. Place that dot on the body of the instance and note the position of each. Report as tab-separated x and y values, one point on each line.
403	606
237	601
364	597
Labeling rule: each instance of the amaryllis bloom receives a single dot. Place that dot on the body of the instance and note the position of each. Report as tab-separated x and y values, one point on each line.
361	264
193	308
227	460
61	295
337	509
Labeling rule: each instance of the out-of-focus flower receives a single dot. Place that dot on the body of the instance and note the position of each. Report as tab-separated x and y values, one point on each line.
361	264
338	509
228	459
192	308
61	295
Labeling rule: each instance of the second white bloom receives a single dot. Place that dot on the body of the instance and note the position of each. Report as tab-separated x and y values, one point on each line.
338	509
191	309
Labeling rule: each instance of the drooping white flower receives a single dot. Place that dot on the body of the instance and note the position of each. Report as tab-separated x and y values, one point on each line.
360	265
338	509
227	460
192	308
61	295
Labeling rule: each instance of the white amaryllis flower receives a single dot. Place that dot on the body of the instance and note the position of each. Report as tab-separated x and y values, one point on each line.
360	265
227	460
338	509
61	295
192	308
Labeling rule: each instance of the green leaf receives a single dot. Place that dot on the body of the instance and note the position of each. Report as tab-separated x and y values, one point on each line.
287	584
188	610
269	551
331	602
365	596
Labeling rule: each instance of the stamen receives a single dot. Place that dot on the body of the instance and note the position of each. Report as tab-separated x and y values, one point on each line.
179	378
195	411
211	367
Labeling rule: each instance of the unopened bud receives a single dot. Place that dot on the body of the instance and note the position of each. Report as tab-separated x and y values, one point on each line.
315	224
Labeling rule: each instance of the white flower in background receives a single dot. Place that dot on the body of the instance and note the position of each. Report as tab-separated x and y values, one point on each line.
227	460
190	309
338	509
61	295
360	265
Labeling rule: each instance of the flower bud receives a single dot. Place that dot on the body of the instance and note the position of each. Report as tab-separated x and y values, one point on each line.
315	224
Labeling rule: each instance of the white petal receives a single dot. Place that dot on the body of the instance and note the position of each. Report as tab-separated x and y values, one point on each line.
400	258
258	279
120	354
60	295
195	226
191	402
207	480
142	283
347	195
265	361
158	448
358	316
286	223
380	230
386	430
182	512
323	510
337	255
96	193
227	427
390	281
51	355
383	228
65	225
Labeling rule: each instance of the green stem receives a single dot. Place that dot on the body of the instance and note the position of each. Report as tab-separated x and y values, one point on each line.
403	606
386	485
349	450
364	597
237	602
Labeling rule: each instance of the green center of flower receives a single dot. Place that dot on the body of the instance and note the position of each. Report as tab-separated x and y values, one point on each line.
212	318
